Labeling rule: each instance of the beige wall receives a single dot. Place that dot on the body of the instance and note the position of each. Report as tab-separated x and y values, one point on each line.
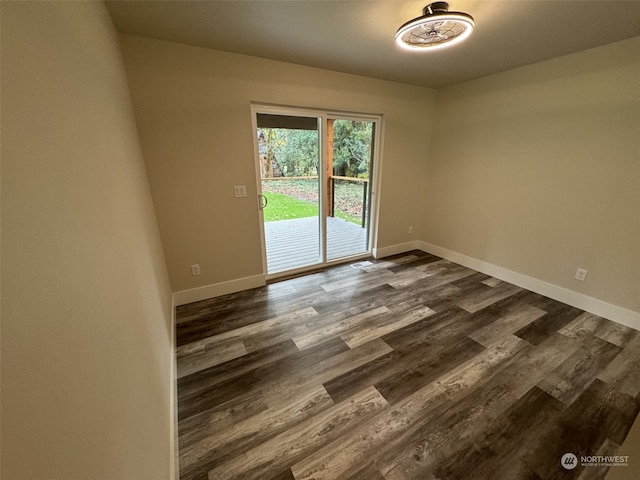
86	312
537	170
193	114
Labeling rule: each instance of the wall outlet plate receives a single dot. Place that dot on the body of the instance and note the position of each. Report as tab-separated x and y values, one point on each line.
581	274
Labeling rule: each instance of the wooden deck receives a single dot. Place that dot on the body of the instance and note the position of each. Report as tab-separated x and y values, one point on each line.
294	243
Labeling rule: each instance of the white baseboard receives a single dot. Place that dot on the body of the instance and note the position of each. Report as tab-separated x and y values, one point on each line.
604	309
584	302
217	289
395	249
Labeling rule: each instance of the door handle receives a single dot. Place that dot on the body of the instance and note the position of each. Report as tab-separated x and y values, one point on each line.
262	202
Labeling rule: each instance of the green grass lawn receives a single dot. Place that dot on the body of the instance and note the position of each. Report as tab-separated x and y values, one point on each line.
285	207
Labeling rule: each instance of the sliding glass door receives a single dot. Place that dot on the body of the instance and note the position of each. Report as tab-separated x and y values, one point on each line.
316	187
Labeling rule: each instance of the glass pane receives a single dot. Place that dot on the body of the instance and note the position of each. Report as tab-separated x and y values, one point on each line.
350	154
289	162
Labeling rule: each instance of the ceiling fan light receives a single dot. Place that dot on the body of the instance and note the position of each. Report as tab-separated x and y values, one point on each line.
436	28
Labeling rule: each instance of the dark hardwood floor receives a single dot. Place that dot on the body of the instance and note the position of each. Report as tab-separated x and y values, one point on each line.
410	367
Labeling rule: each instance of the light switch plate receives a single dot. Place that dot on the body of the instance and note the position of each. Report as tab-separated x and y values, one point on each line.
240	191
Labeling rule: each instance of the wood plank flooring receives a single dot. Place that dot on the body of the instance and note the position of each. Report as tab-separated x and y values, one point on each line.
410	367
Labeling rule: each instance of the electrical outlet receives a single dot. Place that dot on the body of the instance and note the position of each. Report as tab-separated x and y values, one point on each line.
195	270
410	229
581	274
240	191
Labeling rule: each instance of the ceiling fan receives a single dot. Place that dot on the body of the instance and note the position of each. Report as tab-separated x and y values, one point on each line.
436	28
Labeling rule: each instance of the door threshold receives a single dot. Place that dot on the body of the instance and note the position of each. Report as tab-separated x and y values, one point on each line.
311	269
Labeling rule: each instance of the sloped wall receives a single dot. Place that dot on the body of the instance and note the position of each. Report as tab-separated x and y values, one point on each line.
86	303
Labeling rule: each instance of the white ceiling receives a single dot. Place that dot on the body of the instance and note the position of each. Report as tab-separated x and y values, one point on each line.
357	36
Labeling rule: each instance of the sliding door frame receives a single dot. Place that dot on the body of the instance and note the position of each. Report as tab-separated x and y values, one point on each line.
375	180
